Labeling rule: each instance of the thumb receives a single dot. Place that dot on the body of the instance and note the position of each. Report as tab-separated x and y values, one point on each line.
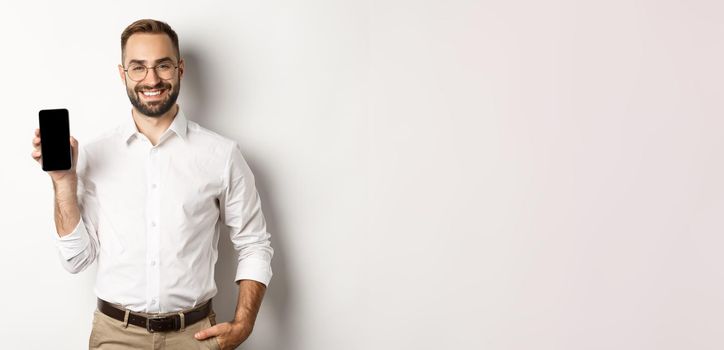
208	332
74	149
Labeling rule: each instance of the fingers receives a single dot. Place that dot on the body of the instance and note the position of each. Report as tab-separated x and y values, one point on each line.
36	139
209	332
36	146
74	144
74	150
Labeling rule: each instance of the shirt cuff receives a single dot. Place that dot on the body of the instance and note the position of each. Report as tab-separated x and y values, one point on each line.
74	243
254	269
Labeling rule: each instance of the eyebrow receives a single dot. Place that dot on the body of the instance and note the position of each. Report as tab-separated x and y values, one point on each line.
164	59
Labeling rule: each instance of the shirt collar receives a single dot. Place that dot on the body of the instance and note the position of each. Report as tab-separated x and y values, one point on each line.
178	126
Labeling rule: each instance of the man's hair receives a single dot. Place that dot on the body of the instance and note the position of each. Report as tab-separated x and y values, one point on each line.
149	26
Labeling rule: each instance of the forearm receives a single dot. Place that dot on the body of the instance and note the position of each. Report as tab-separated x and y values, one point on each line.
251	294
67	212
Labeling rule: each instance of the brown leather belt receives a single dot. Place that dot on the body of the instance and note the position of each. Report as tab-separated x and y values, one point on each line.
156	324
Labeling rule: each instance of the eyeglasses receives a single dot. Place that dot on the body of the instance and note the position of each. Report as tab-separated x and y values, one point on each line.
138	72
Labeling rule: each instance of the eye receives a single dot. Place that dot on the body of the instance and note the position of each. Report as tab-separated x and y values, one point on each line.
137	69
165	66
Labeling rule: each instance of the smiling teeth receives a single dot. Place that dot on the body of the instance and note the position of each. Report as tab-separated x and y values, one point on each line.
151	93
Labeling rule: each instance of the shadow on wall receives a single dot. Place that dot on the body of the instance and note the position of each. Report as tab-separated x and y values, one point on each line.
275	304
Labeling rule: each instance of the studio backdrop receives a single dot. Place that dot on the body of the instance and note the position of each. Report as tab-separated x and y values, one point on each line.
434	174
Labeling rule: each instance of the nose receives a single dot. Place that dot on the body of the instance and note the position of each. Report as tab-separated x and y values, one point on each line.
151	77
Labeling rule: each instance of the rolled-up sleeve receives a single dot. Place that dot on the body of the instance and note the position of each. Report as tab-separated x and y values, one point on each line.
74	243
242	213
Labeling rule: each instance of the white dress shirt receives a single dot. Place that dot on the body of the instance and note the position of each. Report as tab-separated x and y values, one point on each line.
150	216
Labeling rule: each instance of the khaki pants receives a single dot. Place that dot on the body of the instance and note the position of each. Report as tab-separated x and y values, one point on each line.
111	334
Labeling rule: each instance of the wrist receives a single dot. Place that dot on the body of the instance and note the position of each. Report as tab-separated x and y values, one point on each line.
243	320
65	189
241	328
67	181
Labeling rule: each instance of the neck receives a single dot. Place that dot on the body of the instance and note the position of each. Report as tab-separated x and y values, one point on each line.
154	127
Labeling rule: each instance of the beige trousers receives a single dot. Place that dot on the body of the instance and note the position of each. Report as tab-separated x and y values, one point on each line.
111	334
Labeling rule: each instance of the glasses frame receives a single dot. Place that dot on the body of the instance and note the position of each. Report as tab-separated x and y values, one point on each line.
175	67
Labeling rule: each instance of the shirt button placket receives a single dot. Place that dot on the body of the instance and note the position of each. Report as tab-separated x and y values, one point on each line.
154	234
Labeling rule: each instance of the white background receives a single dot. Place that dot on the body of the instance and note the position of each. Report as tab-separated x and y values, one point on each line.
435	174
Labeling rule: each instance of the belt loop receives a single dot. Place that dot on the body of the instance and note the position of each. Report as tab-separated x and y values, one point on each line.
125	318
183	321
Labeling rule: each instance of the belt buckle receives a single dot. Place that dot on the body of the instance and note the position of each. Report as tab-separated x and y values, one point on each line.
166	323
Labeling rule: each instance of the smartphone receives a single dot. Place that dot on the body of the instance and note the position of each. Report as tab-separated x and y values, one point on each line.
55	139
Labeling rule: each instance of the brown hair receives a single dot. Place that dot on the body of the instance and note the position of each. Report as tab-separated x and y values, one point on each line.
150	26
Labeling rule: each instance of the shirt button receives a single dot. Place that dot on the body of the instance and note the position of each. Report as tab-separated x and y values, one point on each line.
153	185
153	301
153	224
153	263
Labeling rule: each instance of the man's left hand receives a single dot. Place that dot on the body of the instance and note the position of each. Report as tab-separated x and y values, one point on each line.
228	334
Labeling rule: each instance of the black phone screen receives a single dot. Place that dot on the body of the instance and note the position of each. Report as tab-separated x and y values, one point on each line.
55	139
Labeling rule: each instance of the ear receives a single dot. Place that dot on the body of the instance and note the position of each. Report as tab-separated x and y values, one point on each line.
181	67
122	74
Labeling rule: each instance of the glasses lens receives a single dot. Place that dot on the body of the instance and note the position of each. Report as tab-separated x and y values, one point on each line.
165	70
136	72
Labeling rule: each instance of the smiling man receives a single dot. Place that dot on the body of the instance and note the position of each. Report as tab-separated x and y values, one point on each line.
146	201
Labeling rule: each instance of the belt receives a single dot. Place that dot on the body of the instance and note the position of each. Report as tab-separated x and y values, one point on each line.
156	323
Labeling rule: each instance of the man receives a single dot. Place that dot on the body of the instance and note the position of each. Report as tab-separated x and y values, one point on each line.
146	201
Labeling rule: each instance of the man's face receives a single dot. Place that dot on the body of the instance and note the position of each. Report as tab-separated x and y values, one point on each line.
154	95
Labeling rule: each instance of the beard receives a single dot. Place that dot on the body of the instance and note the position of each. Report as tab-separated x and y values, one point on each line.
154	108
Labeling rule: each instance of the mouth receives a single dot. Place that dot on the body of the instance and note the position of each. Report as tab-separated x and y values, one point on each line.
152	94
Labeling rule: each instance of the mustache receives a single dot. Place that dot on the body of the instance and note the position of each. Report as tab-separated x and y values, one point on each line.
160	85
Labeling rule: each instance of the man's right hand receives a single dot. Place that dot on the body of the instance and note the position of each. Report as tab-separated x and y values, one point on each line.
58	176
65	184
